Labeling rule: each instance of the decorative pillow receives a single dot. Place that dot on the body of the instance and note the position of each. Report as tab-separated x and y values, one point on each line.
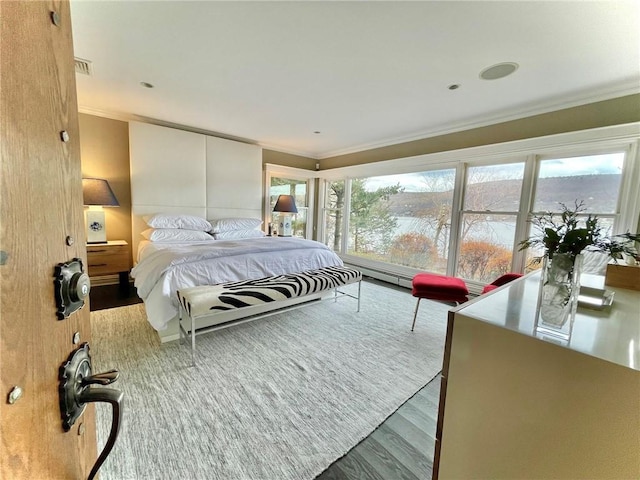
238	234
229	224
176	235
188	222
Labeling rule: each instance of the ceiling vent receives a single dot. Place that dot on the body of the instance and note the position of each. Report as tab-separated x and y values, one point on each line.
83	66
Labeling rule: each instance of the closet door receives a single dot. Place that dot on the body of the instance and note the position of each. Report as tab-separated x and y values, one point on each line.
167	166
168	173
234	179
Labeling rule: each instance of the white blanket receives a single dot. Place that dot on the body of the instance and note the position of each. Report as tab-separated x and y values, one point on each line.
164	268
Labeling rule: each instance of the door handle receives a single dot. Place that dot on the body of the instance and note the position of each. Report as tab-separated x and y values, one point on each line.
115	398
76	391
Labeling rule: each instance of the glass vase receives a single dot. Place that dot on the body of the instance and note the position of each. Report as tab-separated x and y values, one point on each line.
558	296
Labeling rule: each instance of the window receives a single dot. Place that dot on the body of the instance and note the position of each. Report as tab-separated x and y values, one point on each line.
402	219
333	214
282	180
465	212
297	188
489	217
593	180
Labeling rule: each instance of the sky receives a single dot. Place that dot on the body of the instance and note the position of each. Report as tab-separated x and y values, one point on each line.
442	180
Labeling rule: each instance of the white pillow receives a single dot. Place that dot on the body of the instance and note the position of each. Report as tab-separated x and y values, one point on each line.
229	224
188	222
175	235
238	234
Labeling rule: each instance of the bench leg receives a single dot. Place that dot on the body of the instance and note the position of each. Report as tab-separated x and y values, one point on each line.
180	331
359	285
193	341
415	314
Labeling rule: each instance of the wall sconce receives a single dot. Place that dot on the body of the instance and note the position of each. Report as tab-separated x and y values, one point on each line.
97	193
286	205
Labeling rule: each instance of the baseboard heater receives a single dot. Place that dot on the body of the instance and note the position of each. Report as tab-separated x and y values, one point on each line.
387	277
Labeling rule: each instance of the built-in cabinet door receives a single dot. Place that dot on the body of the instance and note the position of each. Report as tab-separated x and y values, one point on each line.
234	179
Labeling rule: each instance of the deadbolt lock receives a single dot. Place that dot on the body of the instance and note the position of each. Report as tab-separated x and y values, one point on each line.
72	286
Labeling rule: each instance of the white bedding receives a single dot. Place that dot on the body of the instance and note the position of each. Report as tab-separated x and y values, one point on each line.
164	268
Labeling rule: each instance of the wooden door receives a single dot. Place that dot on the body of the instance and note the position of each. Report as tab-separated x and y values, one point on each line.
41	225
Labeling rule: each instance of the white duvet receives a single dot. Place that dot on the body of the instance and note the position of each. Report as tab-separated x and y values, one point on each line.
164	268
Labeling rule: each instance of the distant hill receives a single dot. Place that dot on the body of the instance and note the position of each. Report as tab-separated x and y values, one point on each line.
599	193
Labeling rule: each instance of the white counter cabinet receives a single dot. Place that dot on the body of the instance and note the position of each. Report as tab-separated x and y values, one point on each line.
513	405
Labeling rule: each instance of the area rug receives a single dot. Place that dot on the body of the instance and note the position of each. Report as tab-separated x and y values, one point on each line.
279	398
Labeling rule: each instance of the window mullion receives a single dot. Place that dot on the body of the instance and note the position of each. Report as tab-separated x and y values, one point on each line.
628	218
456	216
526	204
346	212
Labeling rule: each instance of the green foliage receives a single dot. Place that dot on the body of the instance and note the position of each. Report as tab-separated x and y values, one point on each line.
372	224
567	235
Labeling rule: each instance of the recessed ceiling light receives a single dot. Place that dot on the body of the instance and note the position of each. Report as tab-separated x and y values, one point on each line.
499	70
146	85
454	86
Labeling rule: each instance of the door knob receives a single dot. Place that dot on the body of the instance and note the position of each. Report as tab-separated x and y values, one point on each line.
76	391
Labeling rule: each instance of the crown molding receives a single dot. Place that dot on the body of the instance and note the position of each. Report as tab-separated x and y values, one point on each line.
530	110
130	117
615	136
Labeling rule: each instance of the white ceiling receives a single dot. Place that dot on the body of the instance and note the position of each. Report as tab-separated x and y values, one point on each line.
362	73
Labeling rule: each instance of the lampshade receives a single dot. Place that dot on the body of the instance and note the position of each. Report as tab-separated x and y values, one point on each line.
97	191
285	204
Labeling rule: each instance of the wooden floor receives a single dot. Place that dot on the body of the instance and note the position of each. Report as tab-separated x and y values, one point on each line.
399	449
110	296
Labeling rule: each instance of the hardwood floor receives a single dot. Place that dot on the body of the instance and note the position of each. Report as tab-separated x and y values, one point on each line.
399	449
109	296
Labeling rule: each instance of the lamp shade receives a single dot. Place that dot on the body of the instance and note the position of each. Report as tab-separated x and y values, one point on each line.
97	191
285	204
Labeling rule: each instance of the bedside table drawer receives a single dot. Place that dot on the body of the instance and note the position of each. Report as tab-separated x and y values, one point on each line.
107	259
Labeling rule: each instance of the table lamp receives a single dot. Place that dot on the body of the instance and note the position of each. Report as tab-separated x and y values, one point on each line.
286	205
97	194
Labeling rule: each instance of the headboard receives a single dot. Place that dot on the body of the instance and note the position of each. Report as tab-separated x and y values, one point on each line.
175	171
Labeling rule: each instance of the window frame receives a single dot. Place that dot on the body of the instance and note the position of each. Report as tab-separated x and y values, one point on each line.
281	171
519	220
619	138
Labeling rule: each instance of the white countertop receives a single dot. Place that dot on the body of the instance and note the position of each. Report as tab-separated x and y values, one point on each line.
612	334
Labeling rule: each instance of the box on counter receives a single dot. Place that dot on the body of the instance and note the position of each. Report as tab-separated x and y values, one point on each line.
623	276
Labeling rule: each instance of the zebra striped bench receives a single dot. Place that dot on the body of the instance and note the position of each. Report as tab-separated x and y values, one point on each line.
207	300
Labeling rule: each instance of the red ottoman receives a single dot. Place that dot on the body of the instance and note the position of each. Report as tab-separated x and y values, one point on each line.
437	287
503	280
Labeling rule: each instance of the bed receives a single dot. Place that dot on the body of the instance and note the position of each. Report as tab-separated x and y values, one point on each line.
185	173
163	268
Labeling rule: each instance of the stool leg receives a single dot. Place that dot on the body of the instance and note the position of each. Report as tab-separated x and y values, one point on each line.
415	314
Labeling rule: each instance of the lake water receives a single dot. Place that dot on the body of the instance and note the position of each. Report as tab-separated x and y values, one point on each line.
495	232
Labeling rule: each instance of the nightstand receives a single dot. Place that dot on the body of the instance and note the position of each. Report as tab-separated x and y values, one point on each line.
108	259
